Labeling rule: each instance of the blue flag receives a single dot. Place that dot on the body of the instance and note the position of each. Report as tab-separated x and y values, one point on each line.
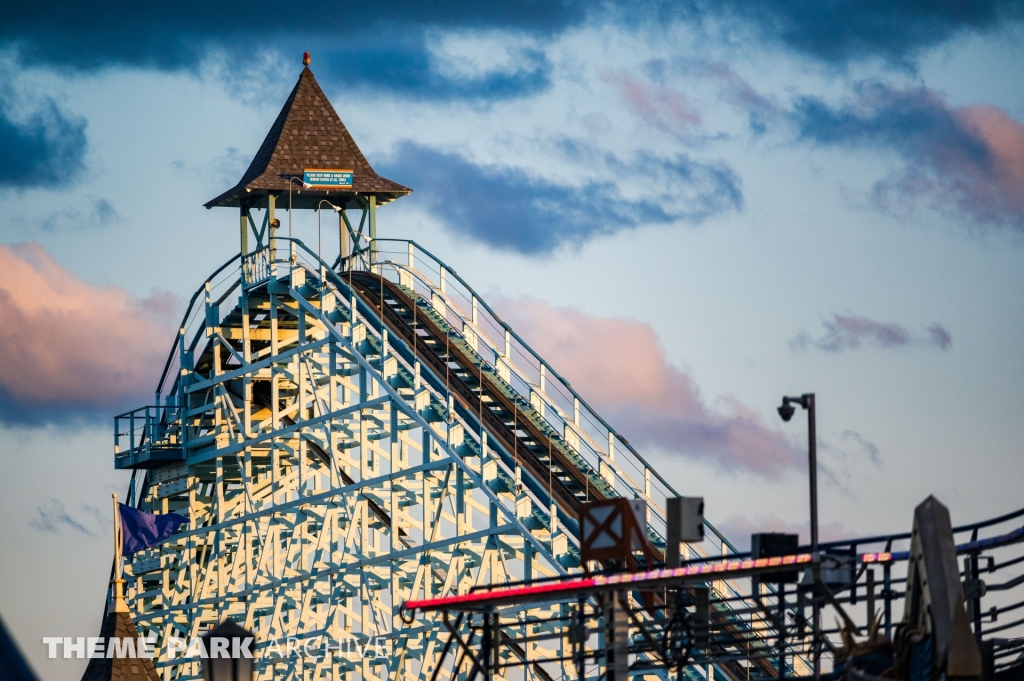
140	530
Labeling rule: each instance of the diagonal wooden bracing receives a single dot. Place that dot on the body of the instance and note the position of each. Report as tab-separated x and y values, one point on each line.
325	483
343	442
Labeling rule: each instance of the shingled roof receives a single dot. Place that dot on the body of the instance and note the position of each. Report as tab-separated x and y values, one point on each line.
307	134
120	625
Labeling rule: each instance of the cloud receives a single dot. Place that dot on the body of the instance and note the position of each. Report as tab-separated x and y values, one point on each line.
968	161
53	516
388	46
733	89
740	527
849	332
868	447
100	213
838	31
619	366
657	106
46	148
393	47
939	336
223	169
510	209
173	36
737	92
413	68
839	461
69	349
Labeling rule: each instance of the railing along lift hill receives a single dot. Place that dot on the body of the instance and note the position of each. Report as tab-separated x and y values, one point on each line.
590	453
216	444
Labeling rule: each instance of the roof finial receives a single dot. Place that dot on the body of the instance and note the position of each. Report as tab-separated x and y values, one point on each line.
305	58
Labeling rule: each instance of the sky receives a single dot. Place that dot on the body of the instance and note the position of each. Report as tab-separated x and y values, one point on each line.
690	209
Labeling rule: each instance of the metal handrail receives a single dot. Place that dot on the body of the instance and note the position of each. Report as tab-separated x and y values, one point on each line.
560	378
184	320
399	267
889	538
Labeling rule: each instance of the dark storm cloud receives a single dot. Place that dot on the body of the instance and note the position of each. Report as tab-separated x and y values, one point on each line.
46	149
911	120
849	332
839	31
171	35
383	46
968	161
509	209
409	70
384	42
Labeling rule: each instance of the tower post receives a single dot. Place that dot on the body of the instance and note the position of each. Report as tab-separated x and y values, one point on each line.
373	230
271	224
244	229
243	225
342	238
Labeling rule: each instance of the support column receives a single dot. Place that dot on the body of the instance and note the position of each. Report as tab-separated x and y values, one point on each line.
373	229
616	622
271	222
244	245
247	379
244	226
342	237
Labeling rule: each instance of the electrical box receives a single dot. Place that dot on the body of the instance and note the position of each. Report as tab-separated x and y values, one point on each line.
770	545
838	568
685	523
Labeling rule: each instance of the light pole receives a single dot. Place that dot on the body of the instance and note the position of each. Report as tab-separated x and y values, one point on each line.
319	256
292	179
786	411
229	654
291	244
336	210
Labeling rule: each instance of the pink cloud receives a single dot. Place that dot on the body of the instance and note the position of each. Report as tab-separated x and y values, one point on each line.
70	348
660	107
619	366
1001	178
967	161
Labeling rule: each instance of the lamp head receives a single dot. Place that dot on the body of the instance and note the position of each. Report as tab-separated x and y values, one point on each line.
786	410
234	666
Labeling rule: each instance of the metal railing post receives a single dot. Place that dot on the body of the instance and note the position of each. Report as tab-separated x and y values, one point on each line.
887	592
